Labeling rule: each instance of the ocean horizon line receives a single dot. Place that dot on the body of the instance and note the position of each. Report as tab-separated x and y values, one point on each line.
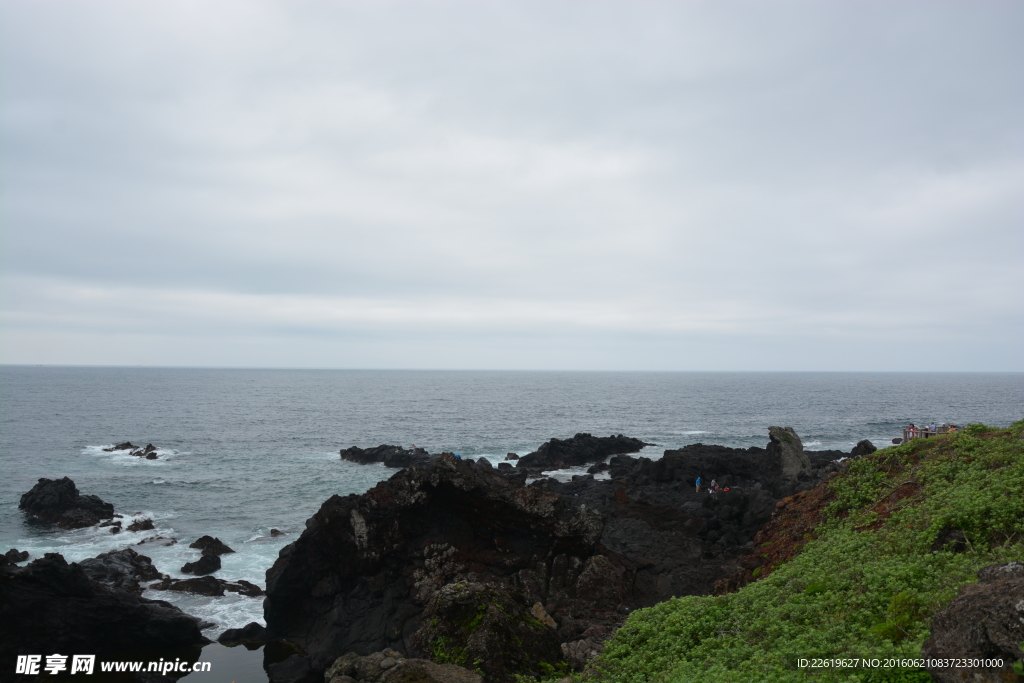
512	370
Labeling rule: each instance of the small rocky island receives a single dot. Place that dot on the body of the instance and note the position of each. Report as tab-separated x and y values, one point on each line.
149	451
58	501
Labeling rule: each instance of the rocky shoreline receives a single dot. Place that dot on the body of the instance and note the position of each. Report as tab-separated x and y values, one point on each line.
451	560
461	562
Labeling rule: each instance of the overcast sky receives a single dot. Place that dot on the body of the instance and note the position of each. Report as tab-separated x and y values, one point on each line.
537	185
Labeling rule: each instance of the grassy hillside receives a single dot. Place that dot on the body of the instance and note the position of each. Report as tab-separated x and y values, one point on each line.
893	539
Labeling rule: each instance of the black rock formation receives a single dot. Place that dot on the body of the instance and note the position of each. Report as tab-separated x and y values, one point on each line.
485	625
124	569
390	456
785	446
250	634
863	447
207	585
148	451
582	449
58	501
294	669
211	546
126	446
51	606
141	525
206	564
128	570
985	621
389	666
397	566
15	555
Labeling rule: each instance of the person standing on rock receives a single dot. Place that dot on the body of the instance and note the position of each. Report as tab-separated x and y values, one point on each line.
698	484
713	487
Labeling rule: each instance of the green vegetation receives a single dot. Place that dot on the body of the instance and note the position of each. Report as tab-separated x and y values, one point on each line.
444	651
866	588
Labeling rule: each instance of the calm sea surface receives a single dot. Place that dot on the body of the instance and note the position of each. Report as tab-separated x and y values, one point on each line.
244	451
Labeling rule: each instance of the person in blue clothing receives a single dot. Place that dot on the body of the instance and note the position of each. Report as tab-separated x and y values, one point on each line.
698	484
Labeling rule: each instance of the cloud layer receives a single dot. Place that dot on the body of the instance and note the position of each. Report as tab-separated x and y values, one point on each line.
513	185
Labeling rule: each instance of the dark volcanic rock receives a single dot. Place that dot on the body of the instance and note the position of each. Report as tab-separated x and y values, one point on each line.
15	555
985	621
244	587
212	546
390	456
124	569
58	501
206	564
295	669
207	585
157	540
141	525
389	666
50	606
252	633
582	449
361	575
863	447
203	585
784	444
486	626
148	451
375	571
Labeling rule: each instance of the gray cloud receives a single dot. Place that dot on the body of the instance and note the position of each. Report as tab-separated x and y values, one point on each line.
610	185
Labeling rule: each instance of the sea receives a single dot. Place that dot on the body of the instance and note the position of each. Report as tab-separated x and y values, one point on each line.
244	451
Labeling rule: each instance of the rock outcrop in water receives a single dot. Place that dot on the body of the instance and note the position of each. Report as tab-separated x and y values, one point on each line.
148	451
582	449
128	570
123	569
211	546
59	502
461	563
250	634
51	606
207	585
206	564
389	456
14	555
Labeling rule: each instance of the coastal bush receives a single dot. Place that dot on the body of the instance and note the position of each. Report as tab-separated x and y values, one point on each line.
867	587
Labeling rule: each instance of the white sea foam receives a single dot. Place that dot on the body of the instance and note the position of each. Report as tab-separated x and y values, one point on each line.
230	610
